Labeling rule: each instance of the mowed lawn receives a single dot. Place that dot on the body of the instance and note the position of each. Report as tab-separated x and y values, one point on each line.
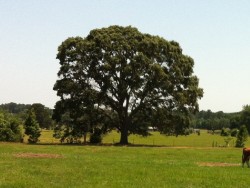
51	165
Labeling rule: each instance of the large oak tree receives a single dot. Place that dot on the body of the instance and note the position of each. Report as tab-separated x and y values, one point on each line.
128	74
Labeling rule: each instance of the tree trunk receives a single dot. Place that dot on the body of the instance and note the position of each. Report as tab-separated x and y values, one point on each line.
124	136
85	138
124	124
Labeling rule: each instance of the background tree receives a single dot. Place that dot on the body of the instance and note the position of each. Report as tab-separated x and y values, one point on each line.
245	117
127	72
235	121
242	136
32	128
43	115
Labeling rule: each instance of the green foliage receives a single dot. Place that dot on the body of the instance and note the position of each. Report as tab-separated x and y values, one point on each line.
73	125
32	128
245	117
234	132
235	121
10	130
43	115
225	132
211	120
219	120
14	108
242	136
170	123
132	74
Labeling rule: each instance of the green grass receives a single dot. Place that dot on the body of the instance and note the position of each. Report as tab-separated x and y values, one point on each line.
125	166
115	166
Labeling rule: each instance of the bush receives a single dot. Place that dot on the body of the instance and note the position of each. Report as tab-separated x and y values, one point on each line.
9	129
234	132
225	132
6	135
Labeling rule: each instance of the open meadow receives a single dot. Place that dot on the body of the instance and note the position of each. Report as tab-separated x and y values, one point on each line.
185	161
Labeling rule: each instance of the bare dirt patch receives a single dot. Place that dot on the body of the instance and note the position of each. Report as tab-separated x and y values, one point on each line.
212	164
37	155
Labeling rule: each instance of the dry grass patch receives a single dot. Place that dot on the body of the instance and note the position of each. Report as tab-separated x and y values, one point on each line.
37	155
212	164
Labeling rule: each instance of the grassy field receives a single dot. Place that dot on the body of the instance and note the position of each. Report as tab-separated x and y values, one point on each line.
192	162
157	139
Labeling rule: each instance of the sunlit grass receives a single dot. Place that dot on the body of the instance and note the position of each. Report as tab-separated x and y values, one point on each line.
116	166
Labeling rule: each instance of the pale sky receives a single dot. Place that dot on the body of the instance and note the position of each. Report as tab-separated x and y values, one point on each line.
215	33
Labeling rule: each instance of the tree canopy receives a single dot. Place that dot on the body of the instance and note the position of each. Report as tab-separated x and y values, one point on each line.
125	77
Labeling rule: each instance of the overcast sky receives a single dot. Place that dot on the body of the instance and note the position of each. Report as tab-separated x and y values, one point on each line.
215	33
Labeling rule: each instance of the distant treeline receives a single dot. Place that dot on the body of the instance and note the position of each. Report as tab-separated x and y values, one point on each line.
218	120
19	111
15	108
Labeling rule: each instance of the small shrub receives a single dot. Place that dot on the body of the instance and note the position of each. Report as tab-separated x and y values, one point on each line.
225	132
6	134
234	132
10	130
241	137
